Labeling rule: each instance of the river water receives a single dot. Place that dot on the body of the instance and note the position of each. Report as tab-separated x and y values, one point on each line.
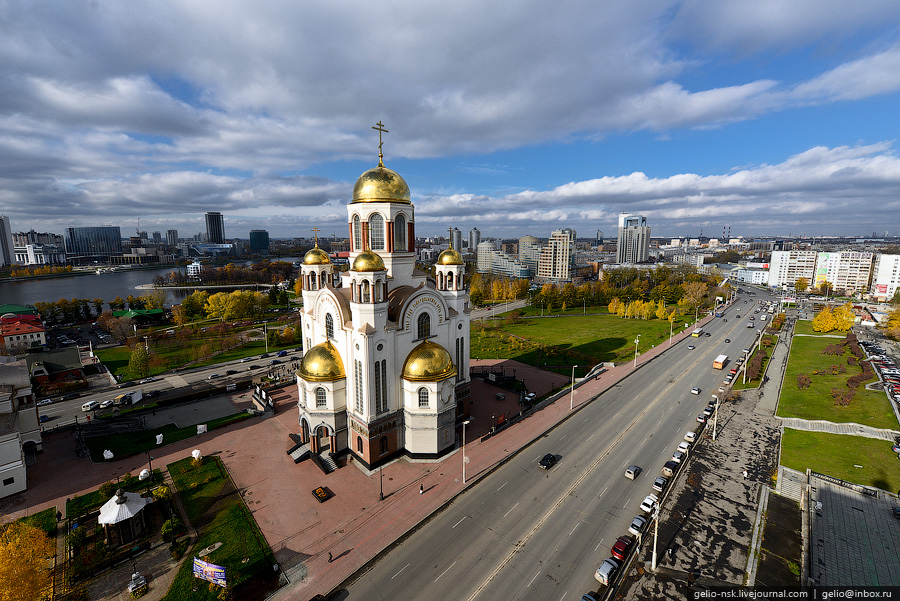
105	285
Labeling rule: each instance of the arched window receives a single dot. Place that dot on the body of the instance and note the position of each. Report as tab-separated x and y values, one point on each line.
400	233
357	234
450	281
359	444
376	232
303	390
320	397
423	398
384	445
366	294
329	326
424	326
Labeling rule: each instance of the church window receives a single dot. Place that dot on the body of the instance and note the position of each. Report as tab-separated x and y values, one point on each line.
357	233
384	444
366	292
359	444
358	387
424	326
400	233
384	406
303	390
378	400
329	326
460	347
450	281
423	398
320	397
376	232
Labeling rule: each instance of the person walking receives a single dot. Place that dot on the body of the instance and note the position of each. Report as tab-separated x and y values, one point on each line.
330	558
421	489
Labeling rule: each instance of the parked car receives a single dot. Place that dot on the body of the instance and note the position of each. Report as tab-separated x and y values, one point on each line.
690	436
637	525
677	456
683	447
622	546
607	570
701	418
45	402
648	505
633	471
660	483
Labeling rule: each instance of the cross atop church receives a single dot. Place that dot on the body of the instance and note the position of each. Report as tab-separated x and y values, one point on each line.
315	232
450	229
380	130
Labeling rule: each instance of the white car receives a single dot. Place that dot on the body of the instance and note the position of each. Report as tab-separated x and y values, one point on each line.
649	503
677	456
607	570
690	436
45	402
684	446
637	525
245	359
107	403
695	390
90	406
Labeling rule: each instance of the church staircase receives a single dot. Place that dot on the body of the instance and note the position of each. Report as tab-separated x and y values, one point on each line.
299	452
325	461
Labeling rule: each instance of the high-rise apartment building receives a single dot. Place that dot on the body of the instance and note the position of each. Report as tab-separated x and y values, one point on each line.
259	242
7	250
885	276
456	239
849	271
474	239
172	237
530	252
599	237
787	266
33	237
215	228
633	244
485	254
157	237
557	257
98	242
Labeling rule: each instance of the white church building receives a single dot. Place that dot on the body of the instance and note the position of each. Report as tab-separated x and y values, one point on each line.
386	367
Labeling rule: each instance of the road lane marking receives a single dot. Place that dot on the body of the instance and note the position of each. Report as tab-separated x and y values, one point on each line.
445	571
598	545
604	491
563	437
538	457
459	522
532	579
504	484
591	436
564	595
510	511
398	573
626	503
573	529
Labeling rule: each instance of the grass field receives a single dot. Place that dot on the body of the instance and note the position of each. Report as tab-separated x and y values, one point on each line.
132	443
560	342
869	408
45	520
220	516
838	455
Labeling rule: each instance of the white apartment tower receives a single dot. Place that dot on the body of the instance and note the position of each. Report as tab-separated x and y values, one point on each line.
633	244
557	256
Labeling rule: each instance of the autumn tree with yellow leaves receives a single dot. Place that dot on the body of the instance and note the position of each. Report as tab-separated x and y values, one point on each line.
26	559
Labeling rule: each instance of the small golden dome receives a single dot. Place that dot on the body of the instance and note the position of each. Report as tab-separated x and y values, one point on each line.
450	257
428	362
316	256
381	185
322	363
368	261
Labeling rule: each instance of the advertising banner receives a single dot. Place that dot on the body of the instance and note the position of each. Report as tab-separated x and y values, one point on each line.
209	571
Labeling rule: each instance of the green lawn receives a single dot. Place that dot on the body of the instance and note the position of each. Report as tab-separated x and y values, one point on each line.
220	516
560	342
838	455
870	408
132	443
45	520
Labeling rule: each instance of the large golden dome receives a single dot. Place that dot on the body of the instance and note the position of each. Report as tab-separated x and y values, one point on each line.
316	256
450	257
322	363
428	362
381	185
368	261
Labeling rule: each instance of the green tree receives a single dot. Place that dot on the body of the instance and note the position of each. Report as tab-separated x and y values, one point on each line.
139	364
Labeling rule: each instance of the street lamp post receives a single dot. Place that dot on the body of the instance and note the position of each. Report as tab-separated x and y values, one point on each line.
572	394
636	341
381	484
655	534
464	449
671	322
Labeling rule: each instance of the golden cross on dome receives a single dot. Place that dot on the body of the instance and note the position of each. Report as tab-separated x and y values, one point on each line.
315	232
450	229
380	130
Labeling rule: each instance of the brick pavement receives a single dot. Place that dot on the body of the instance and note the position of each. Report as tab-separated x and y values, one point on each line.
354	526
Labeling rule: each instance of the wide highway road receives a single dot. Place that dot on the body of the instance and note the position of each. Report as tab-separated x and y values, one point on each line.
526	533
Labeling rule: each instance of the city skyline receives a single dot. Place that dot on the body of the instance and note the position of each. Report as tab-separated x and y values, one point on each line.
699	115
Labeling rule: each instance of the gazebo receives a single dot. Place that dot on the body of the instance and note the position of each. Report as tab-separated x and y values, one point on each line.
122	518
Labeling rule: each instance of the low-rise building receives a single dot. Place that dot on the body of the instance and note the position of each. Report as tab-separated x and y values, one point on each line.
20	431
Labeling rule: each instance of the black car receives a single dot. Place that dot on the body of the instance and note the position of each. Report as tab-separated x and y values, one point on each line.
547	461
275	362
254	366
230	372
151	394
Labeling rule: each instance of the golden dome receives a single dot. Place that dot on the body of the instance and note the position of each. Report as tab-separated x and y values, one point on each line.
381	185
368	261
316	256
322	363
428	362
450	257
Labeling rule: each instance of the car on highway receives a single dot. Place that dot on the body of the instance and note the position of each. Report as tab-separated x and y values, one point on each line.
707	334
607	571
246	359
690	436
148	380
151	394
90	406
254	366
660	483
691	347
649	503
695	390
637	525
633	471
622	547
213	376
264	356
547	461
107	403
275	362
45	402
728	340
281	353
44	418
230	372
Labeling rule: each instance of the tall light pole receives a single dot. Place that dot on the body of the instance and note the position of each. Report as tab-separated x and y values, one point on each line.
572	394
464	449
636	341
655	533
671	323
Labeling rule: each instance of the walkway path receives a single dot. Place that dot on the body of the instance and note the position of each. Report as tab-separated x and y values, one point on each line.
852	429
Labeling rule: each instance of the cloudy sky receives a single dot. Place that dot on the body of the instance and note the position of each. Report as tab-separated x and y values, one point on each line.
768	117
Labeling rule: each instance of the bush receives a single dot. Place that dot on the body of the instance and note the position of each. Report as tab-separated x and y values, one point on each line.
171	528
107	490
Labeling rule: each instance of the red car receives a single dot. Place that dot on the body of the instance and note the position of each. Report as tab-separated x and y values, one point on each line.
620	549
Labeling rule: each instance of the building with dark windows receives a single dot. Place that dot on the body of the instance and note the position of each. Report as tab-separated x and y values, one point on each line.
215	228
98	243
386	372
633	243
259	242
172	237
7	250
